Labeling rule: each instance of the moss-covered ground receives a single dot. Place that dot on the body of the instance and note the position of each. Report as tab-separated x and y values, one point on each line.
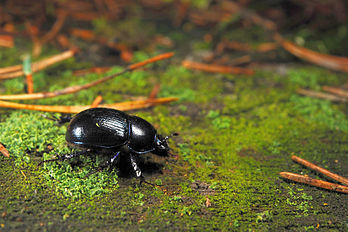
236	134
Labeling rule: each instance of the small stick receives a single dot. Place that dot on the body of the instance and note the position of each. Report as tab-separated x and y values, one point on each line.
240	60
6	41
316	168
4	151
321	95
96	101
151	60
30	83
155	91
76	88
91	70
16	71
337	91
9	69
51	34
314	182
266	47
238	46
124	106
216	68
328	61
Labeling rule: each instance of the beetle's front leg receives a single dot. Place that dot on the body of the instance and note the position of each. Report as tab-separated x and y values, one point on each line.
105	165
109	162
135	166
138	171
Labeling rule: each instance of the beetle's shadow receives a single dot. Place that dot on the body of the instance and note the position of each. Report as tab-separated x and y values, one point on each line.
145	163
149	164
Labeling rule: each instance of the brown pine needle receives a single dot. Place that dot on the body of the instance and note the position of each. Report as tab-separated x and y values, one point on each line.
97	101
155	91
151	60
337	91
16	71
124	106
314	182
91	70
321	95
328	61
240	60
30	83
74	89
6	41
216	68
316	168
266	47
9	69
4	151
52	33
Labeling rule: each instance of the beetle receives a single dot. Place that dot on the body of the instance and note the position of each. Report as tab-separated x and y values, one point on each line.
116	132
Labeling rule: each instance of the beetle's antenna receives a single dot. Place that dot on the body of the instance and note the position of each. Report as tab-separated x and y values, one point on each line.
53	118
171	135
61	120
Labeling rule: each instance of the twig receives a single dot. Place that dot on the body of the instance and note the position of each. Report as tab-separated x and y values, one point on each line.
216	68
240	60
16	71
96	101
151	60
314	182
266	47
30	83
74	89
61	16
132	105
155	91
6	41
321	95
10	69
316	168
328	61
89	35
4	151
249	14
91	70
337	91
65	43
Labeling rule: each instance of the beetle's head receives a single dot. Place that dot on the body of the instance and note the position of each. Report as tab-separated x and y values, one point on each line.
162	146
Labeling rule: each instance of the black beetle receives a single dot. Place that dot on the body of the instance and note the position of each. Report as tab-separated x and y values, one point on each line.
114	131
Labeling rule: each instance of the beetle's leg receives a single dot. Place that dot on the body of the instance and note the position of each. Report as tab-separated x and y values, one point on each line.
105	165
64	119
64	157
135	166
138	171
109	162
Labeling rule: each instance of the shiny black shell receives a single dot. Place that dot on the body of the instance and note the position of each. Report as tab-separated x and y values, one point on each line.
142	136
109	128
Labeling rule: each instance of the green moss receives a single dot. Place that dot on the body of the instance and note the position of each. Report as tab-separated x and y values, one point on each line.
321	112
312	78
29	135
236	135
